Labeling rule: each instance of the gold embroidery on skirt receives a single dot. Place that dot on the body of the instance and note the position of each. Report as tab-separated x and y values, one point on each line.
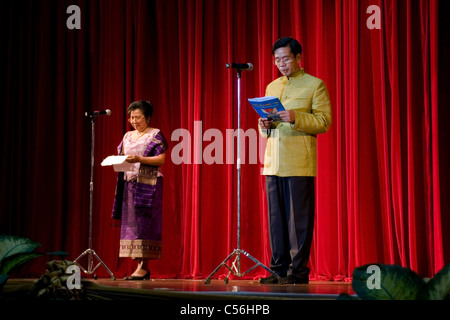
149	249
148	175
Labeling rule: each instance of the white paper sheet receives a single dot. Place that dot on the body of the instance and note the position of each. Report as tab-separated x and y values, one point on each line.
119	163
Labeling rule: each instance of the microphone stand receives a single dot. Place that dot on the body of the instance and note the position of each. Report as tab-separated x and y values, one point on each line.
90	252
236	265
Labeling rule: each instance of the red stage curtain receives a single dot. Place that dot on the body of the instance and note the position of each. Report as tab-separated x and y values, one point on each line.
380	186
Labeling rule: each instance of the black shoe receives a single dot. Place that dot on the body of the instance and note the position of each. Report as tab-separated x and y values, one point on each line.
144	277
269	280
293	279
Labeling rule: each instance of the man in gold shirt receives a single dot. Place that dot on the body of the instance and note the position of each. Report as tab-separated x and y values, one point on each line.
290	162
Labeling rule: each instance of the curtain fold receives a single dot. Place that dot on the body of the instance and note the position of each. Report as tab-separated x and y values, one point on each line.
379	181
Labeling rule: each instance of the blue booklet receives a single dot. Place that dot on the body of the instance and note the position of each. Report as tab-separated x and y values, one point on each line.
267	107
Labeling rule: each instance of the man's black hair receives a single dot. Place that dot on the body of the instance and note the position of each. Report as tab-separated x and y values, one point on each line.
295	46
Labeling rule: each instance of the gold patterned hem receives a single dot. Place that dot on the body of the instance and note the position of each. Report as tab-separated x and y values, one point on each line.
148	249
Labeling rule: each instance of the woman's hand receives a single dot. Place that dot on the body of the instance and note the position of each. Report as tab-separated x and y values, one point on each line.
149	161
133	159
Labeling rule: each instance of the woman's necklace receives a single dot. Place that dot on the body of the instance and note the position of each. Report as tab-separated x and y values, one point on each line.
141	133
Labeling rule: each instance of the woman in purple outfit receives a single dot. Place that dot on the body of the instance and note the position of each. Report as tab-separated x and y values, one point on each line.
138	200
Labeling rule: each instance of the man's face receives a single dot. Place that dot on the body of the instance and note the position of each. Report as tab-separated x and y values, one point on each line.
286	62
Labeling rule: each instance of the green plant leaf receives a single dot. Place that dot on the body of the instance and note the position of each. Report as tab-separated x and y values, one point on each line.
9	263
439	286
395	283
3	279
12	245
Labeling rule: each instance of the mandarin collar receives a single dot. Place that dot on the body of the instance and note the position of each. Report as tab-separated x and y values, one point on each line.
297	74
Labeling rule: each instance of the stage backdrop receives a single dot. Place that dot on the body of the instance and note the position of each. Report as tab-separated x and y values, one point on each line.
381	185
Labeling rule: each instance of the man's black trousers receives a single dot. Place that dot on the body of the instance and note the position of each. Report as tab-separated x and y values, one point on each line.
291	205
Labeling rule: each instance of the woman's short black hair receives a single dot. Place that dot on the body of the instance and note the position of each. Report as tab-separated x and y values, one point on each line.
295	46
145	106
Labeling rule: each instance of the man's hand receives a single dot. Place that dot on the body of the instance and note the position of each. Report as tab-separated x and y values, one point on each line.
264	123
287	116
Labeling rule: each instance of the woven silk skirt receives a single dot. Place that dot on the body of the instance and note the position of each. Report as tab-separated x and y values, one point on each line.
141	227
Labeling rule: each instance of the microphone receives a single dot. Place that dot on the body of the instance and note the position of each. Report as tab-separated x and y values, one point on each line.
240	66
97	113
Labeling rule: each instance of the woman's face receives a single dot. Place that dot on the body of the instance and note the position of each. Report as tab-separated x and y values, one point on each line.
138	120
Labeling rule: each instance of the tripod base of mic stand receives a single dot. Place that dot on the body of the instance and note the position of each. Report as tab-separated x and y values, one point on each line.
236	269
91	270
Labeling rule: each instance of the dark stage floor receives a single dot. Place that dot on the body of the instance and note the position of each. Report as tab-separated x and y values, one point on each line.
167	289
236	288
193	299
